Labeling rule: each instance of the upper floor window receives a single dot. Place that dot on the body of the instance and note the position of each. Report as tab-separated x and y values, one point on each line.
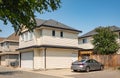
61	34
30	35
53	32
26	36
84	40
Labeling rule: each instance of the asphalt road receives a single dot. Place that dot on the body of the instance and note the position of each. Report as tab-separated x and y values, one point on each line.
11	73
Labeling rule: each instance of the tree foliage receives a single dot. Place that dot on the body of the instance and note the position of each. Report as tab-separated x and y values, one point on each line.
21	12
105	41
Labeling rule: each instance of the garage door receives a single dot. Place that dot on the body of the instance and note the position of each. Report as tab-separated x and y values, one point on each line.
58	59
27	60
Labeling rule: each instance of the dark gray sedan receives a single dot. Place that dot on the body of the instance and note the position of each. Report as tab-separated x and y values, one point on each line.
87	65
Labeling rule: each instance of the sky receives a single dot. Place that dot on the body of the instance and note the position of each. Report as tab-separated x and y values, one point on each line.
84	15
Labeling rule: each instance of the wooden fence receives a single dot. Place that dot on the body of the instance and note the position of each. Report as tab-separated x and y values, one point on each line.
108	60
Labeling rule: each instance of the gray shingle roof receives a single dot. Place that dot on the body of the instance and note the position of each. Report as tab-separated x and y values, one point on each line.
54	24
93	32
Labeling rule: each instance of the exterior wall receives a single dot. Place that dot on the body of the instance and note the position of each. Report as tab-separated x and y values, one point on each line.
7	59
10	46
13	46
38	59
23	43
87	45
69	38
3	63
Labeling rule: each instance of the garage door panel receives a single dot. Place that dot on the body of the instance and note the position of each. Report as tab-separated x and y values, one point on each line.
58	59
27	60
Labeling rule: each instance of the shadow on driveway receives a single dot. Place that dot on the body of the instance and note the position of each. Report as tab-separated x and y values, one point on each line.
9	72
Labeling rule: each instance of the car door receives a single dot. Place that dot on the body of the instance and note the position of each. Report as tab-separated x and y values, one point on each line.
90	64
96	65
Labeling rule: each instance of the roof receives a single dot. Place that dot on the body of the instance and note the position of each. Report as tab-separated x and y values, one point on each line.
93	32
50	46
54	24
13	38
1	38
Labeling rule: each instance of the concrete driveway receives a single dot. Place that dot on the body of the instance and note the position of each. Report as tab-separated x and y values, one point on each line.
67	73
61	73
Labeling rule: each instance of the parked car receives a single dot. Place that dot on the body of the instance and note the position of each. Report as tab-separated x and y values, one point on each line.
87	65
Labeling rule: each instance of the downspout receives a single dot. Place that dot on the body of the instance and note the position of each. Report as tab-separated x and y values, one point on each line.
45	58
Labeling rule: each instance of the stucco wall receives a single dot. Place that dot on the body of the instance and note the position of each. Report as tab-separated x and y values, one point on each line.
87	45
69	38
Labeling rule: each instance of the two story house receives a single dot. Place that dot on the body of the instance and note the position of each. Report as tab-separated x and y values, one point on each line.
8	48
50	45
85	41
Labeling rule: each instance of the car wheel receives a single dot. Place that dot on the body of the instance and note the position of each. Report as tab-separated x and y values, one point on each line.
101	67
87	69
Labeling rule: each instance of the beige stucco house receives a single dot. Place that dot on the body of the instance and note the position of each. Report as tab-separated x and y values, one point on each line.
8	51
51	45
85	41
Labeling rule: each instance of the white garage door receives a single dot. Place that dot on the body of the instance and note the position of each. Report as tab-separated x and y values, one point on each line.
58	59
27	60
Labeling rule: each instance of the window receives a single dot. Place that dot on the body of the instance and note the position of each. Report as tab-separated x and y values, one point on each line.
26	36
53	33
84	40
30	35
61	34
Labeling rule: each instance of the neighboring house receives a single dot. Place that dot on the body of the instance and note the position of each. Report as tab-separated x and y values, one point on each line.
7	49
86	39
51	45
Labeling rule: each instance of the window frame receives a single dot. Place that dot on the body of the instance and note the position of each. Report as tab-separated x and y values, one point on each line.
84	40
61	34
53	33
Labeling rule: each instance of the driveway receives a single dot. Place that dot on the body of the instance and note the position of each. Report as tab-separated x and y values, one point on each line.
67	73
58	73
6	72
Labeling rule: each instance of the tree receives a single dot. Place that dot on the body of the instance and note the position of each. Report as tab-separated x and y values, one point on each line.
105	41
21	12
